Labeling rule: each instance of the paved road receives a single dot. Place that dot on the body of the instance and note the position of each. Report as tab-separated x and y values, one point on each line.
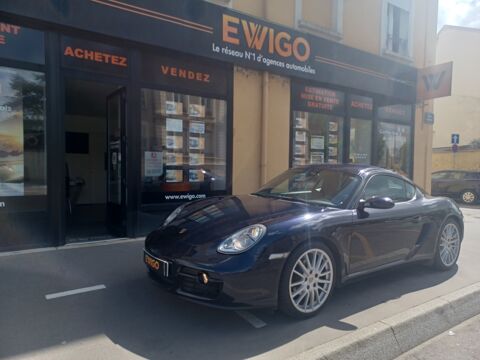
132	317
459	343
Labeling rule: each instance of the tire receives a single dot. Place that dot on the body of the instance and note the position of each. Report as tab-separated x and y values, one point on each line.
304	296
448	246
468	197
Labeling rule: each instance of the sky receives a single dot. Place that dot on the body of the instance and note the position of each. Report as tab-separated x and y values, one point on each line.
459	12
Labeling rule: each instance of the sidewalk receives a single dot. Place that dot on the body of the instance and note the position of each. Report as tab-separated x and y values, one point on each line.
460	343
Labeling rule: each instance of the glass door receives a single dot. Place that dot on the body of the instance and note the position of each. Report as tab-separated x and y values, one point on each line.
116	165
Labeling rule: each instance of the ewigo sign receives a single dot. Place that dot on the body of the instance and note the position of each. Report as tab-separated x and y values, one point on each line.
264	38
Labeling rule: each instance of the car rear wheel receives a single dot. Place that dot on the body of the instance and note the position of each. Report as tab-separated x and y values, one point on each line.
307	281
448	248
469	197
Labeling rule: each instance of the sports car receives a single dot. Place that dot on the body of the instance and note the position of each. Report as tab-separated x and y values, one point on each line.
306	232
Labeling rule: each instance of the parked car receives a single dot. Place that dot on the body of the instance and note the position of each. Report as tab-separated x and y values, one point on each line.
463	185
289	244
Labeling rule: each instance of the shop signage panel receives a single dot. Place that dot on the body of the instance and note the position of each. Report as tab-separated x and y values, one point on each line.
94	56
21	43
182	73
401	113
318	100
208	30
361	106
434	82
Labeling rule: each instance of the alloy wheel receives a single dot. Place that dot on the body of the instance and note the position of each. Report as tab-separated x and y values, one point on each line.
311	280
449	244
468	197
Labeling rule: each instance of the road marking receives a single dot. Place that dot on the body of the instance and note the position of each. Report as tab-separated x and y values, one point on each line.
251	319
74	292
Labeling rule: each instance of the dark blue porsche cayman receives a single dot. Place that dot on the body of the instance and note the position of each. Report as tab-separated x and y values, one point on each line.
309	230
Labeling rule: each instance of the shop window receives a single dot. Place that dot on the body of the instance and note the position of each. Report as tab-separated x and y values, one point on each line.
22	133
360	141
183	146
398	28
317	138
394	147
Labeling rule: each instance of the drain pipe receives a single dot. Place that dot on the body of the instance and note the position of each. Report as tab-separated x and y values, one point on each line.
264	127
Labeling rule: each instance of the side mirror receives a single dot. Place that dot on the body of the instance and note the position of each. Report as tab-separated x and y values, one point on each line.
376	203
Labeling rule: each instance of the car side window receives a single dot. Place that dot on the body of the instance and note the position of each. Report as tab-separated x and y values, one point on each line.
457	175
389	186
440	175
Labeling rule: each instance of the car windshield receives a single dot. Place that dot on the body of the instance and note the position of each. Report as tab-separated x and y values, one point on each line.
313	185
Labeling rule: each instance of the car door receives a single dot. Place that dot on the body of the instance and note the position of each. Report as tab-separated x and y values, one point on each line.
383	236
440	182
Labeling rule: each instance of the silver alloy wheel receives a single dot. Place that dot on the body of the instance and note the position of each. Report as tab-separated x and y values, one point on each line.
468	197
311	280
449	244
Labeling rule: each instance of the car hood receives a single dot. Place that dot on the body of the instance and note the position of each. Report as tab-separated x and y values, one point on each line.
203	225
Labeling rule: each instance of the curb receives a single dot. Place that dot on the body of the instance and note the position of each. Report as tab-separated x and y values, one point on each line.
391	337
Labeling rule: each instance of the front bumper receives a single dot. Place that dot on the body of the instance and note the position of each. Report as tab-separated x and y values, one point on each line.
253	285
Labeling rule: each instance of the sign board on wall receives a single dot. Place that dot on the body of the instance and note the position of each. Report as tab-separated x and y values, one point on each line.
21	43
204	29
434	82
315	99
94	56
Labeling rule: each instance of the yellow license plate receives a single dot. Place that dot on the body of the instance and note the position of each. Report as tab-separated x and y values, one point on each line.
162	266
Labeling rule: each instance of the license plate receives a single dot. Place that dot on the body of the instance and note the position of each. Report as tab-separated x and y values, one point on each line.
158	265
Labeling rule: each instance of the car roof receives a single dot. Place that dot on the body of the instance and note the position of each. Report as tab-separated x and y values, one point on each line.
355	169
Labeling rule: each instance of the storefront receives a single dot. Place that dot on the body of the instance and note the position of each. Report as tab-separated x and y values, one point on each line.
112	114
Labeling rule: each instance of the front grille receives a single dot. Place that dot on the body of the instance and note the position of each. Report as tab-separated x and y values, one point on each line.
189	282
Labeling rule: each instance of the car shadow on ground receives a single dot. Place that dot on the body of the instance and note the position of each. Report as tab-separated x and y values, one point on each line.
136	314
209	333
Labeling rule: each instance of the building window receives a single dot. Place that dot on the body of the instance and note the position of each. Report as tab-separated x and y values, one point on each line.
184	146
398	28
320	17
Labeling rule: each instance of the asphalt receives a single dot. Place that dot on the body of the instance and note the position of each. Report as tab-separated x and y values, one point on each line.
459	343
128	316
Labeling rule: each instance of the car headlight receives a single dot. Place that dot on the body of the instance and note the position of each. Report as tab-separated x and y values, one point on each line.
242	240
173	215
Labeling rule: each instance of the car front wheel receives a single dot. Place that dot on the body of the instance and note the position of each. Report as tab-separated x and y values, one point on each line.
468	197
448	248
307	281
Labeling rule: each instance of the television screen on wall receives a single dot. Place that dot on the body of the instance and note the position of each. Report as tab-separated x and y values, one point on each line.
76	143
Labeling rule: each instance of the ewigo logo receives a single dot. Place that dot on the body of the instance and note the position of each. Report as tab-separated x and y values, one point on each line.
264	38
433	81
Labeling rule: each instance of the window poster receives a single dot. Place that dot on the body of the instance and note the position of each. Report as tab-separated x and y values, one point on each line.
153	163
173	108
332	126
174	142
197	159
317	142
197	127
195	176
300	123
332	151
11	142
196	110
174	125
174	175
174	159
333	139
300	150
317	158
196	143
300	136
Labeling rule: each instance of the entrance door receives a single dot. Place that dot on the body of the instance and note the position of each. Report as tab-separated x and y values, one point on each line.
116	164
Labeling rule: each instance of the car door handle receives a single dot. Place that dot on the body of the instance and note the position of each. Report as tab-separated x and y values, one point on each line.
417	219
